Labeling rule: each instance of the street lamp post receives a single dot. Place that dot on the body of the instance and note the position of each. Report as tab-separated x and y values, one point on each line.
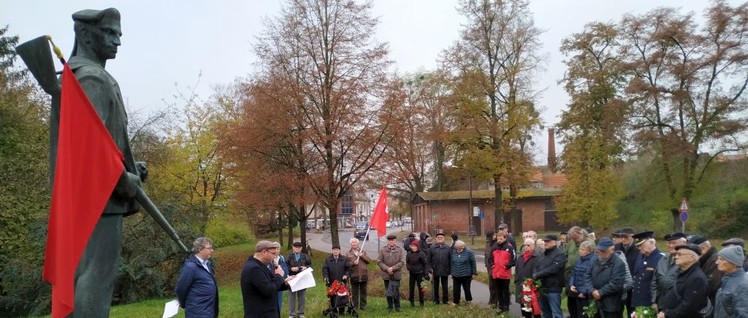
470	209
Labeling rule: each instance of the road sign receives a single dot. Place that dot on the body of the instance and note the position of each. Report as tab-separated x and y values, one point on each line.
481	215
683	205
684	216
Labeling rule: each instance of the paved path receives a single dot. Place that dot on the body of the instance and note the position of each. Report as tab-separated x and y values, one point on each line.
322	242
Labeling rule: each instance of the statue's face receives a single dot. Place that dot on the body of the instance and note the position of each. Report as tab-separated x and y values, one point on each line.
104	38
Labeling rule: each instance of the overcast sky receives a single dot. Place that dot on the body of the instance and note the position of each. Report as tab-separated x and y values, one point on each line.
168	44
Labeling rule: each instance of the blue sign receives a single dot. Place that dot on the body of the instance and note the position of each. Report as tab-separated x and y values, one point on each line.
683	216
481	215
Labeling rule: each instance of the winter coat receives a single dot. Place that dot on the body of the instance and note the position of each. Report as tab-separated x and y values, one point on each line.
578	278
524	270
391	256
487	256
572	254
688	295
731	300
197	289
642	274
360	272
440	256
550	270
608	276
631	252
463	264
260	290
664	278
416	262
303	260
708	263
503	260
335	268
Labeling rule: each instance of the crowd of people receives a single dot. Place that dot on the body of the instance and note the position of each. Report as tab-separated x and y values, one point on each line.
606	277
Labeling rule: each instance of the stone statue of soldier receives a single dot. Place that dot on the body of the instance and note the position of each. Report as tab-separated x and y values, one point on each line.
97	37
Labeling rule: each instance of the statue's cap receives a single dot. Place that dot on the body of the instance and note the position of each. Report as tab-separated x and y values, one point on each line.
94	16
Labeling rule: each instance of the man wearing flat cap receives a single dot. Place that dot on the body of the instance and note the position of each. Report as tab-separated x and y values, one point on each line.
97	37
689	295
607	274
440	255
550	272
260	285
391	261
731	300
297	262
644	268
736	241
666	270
708	263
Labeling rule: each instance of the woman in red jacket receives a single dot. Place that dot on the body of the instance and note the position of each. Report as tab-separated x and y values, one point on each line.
501	271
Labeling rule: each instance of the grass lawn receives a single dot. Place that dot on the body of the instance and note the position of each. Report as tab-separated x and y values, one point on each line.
230	260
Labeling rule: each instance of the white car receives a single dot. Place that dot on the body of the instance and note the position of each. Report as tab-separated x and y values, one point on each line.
388	224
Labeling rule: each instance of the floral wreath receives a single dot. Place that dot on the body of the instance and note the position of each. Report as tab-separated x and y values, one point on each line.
531	296
644	312
337	288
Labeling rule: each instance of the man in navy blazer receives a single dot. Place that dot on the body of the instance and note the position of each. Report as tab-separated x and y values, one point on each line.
261	285
197	289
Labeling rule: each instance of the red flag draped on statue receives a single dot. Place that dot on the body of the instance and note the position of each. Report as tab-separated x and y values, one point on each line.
87	169
381	214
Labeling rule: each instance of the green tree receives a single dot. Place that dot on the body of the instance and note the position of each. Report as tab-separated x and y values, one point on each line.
492	64
593	127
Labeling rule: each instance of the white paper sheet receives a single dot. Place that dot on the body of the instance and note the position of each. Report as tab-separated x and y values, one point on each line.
303	280
171	309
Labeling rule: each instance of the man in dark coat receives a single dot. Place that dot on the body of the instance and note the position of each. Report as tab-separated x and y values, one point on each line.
197	289
550	272
336	268
607	275
644	268
439	258
666	270
631	252
297	262
689	294
260	285
708	263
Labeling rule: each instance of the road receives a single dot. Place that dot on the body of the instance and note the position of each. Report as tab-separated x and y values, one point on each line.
322	242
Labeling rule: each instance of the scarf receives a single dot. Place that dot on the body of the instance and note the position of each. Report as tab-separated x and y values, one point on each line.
527	254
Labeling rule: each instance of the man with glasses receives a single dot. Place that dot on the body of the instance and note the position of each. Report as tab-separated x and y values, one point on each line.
261	285
197	289
689	294
666	270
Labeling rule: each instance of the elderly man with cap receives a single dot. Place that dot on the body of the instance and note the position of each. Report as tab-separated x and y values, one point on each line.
708	263
607	275
689	294
336	268
260	285
391	261
666	270
644	268
439	260
550	272
736	241
577	236
630	251
297	262
731	300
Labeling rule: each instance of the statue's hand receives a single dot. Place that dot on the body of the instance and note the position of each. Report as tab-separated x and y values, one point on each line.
142	167
127	185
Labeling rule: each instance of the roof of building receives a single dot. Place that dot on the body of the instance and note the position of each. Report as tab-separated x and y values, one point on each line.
484	194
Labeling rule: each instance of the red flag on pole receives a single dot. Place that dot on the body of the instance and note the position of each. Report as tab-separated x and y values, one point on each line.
381	214
87	169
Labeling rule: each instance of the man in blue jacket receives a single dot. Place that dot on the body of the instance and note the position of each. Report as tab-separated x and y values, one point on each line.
197	289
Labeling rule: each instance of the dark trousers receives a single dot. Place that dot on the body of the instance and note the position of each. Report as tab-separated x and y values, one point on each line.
358	292
443	280
392	301
607	314
493	294
415	281
575	311
97	268
464	283
503	293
